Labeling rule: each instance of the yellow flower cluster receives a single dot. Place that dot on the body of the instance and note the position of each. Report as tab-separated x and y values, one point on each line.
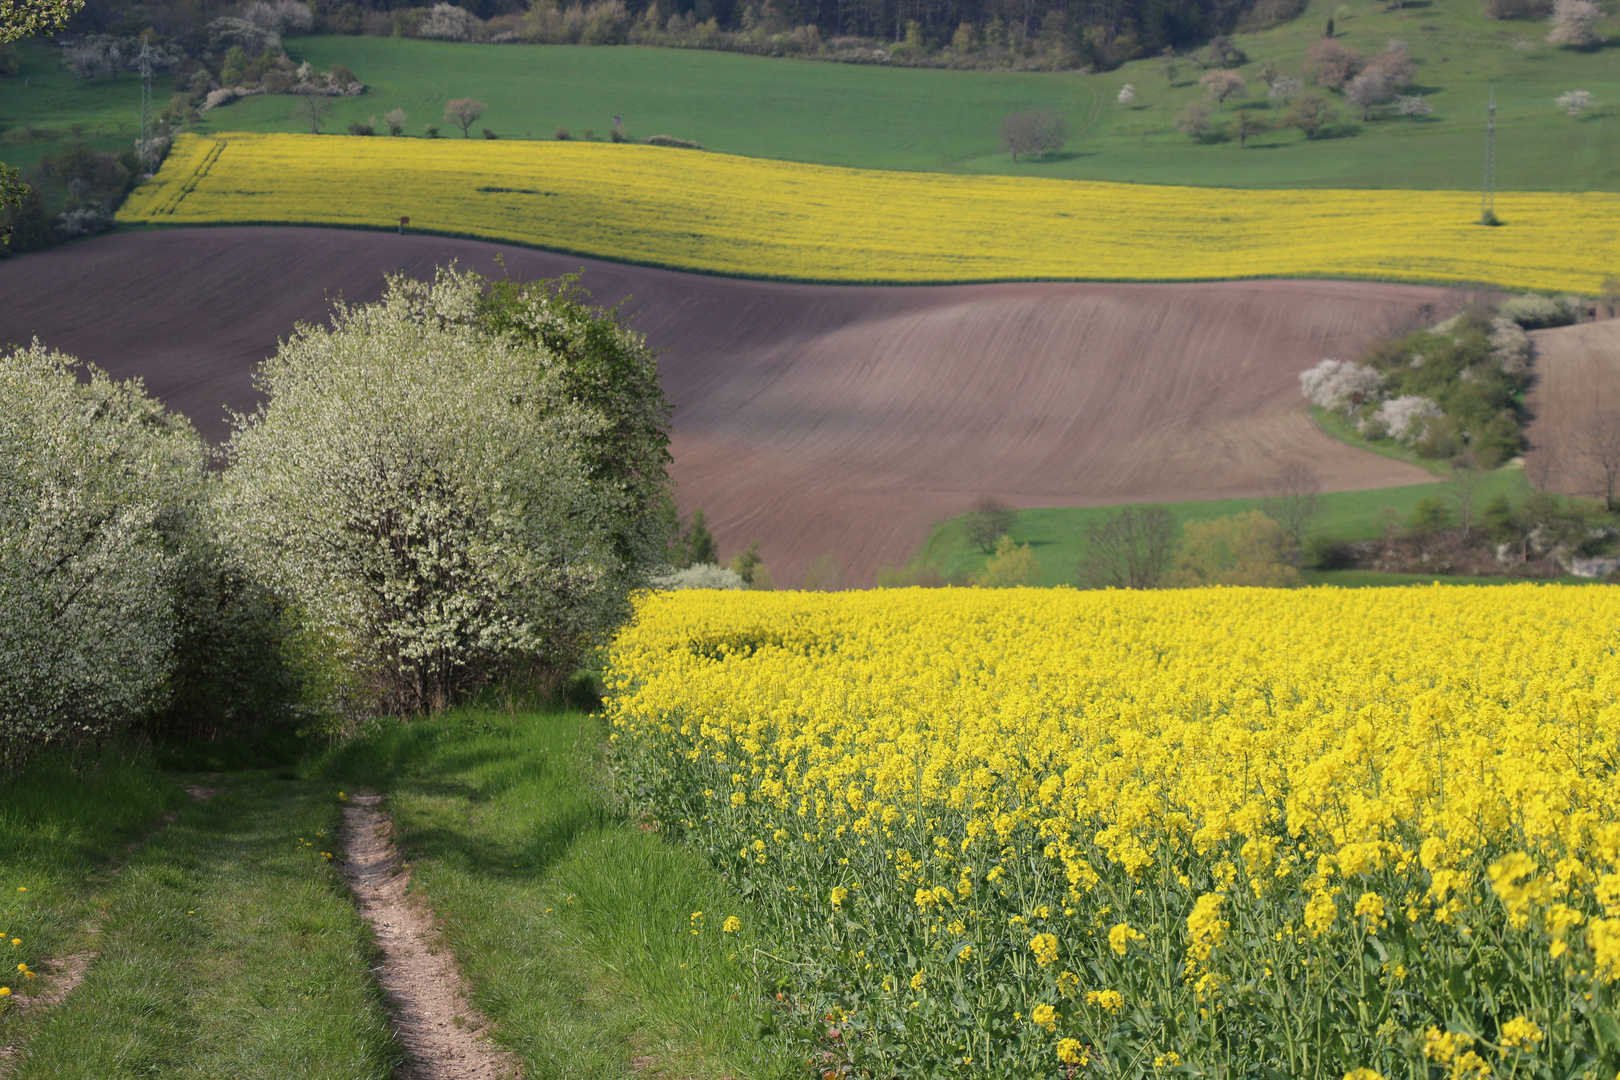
747	216
1293	832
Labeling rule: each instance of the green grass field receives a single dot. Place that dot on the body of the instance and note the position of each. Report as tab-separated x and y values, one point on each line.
228	946
939	120
1057	535
571	923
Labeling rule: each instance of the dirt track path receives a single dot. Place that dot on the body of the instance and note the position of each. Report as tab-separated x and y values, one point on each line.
438	1026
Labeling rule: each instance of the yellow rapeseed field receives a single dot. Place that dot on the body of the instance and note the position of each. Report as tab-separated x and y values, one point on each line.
693	210
1229	832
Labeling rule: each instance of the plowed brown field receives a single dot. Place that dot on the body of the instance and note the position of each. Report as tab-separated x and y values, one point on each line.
1577	380
815	419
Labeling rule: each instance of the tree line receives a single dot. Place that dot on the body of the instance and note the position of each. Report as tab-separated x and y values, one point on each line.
458	486
1038	33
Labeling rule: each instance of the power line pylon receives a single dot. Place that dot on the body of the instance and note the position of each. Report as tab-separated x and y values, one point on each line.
1487	203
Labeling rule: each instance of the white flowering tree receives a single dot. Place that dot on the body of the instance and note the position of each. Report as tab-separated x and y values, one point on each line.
1406	417
447	487
1575	102
93	477
1340	384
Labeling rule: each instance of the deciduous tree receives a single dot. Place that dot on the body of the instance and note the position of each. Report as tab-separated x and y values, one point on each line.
1574	23
1249	125
1221	84
1244	549
434	486
988	521
464	112
312	107
1331	64
1128	549
1036	131
1194	120
1310	113
1576	102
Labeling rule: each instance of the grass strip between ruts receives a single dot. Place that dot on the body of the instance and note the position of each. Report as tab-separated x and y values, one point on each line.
573	926
228	948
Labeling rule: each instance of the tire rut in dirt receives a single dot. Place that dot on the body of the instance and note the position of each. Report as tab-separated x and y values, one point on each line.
437	1024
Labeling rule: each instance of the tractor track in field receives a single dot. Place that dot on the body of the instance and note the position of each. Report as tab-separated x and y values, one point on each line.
442	1031
63	974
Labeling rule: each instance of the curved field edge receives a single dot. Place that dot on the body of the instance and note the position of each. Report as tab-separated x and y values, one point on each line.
790	279
745	217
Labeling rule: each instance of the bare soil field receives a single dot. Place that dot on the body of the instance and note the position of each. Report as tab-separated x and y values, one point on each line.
1577	380
815	419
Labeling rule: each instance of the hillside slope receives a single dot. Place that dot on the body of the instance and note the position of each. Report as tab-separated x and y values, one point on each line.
1577	381
815	419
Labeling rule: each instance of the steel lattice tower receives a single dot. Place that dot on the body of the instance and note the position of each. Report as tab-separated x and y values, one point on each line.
1487	205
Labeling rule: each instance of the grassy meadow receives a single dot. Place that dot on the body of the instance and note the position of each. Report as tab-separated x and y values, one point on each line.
227	945
941	120
1057	534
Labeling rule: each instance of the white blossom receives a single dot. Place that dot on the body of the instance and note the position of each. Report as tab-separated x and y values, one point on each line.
90	473
1335	384
1406	417
700	576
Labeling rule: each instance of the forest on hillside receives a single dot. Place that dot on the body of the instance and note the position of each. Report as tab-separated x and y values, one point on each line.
969	33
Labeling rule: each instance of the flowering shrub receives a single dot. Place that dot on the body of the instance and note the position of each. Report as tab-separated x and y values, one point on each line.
1239	832
1403	418
93	477
700	576
450	487
1340	384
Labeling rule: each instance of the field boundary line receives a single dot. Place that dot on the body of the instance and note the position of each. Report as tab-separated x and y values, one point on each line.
791	279
444	1033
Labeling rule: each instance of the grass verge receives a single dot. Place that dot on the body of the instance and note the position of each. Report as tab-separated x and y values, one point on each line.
227	947
1057	534
63	823
1342	429
573	926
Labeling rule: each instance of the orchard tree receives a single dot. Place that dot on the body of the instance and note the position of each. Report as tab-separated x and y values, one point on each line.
1194	120
464	112
1415	106
1310	113
1574	23
312	107
1249	125
1576	102
1285	88
1221	84
1034	132
1127	94
988	521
